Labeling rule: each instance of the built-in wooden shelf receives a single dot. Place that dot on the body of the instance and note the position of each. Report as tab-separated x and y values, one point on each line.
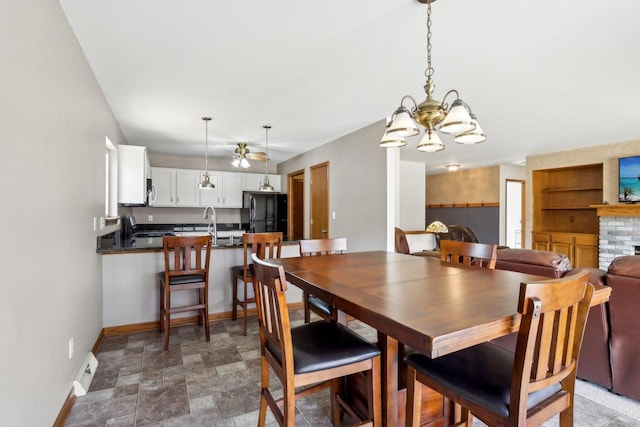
569	190
564	208
620	209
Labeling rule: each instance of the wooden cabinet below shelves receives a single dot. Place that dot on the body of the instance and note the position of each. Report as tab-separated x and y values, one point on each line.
580	248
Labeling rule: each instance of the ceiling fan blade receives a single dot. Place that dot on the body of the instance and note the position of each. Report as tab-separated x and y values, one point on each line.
259	157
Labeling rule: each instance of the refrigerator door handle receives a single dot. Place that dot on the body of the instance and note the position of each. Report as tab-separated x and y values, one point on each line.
253	208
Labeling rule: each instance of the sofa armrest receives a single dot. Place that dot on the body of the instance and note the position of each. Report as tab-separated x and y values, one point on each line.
542	263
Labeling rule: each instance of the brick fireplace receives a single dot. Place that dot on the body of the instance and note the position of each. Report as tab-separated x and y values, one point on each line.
619	232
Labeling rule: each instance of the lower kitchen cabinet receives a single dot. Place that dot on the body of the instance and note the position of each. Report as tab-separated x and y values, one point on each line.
580	248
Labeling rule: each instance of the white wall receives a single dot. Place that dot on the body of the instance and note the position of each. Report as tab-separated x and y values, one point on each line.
357	186
412	196
53	124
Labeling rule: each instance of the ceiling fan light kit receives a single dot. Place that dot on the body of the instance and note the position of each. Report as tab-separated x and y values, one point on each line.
206	183
432	114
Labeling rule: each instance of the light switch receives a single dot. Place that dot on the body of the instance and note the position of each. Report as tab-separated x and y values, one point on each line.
333	215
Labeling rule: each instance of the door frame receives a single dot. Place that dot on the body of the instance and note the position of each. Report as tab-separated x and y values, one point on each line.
292	201
523	239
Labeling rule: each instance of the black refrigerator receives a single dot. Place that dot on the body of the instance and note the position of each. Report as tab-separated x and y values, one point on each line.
264	212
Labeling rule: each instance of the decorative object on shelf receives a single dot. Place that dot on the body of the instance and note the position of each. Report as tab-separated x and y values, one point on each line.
206	183
437	228
457	119
452	167
266	186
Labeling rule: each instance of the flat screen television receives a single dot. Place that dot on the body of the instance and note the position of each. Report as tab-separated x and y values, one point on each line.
629	179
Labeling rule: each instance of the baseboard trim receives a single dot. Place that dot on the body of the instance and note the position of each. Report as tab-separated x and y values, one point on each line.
65	410
178	321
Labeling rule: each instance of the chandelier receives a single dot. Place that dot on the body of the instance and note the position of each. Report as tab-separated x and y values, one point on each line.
206	183
240	157
434	115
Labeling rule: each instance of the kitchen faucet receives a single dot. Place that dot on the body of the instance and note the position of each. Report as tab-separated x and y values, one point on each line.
213	222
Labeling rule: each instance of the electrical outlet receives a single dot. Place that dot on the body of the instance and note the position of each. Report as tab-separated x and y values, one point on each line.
150	218
95	223
103	222
71	348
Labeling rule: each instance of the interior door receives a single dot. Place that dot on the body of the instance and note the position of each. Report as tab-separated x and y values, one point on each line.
296	205
319	184
514	214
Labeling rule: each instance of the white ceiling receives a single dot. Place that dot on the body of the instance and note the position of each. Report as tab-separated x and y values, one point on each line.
541	76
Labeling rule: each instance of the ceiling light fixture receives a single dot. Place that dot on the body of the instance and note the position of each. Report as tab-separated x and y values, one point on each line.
432	114
240	160
266	186
206	184
452	167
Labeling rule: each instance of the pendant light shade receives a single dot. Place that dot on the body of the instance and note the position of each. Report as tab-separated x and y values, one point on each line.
473	136
266	186
430	142
206	183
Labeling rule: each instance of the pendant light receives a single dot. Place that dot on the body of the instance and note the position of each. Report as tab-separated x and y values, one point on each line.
206	183
266	186
432	114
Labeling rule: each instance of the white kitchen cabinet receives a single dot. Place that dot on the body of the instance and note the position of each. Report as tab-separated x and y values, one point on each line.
211	196
163	193
187	187
228	191
253	181
133	172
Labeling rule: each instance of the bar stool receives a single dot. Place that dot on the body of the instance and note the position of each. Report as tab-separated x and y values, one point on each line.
185	269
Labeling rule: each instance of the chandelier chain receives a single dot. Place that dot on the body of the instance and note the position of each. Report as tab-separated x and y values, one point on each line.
429	71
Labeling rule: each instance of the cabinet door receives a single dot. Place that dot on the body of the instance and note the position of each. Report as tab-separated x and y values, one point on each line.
563	244
232	190
541	241
211	197
163	190
132	174
585	251
187	191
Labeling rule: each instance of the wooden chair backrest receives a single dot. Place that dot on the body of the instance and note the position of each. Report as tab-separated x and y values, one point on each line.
468	253
270	285
402	246
554	314
179	259
264	245
315	247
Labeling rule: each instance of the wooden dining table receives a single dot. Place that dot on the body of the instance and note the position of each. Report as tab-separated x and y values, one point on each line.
433	307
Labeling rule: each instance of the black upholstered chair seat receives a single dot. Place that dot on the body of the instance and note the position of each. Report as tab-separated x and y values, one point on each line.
239	270
481	374
183	280
324	345
320	305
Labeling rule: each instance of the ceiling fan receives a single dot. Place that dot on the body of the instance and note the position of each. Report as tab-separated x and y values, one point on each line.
242	155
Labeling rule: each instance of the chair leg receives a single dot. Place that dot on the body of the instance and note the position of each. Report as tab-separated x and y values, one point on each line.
167	316
234	296
305	303
335	406
264	374
161	307
244	309
376	392
205	313
414	399
289	406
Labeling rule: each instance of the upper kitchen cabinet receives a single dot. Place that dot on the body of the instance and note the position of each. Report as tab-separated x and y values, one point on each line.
253	181
163	187
228	191
133	175
175	187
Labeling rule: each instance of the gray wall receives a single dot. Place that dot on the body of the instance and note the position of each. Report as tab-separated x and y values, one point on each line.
484	221
357	186
53	124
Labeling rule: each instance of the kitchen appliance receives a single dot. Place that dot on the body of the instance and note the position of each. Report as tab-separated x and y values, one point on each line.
264	212
129	227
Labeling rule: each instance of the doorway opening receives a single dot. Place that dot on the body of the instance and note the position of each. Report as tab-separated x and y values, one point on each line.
514	213
296	205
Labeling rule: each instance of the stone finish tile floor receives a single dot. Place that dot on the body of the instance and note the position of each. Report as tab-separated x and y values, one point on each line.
210	384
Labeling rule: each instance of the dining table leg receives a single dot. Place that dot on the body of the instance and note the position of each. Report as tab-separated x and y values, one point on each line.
389	348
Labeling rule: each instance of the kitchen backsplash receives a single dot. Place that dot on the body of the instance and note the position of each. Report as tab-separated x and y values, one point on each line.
178	215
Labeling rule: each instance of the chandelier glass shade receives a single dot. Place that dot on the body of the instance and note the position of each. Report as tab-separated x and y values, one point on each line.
432	114
206	183
240	161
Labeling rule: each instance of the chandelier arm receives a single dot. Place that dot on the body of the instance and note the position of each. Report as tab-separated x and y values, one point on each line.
415	104
444	104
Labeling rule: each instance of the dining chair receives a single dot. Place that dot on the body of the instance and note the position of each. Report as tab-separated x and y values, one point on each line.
186	268
265	245
525	387
309	357
469	253
321	247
